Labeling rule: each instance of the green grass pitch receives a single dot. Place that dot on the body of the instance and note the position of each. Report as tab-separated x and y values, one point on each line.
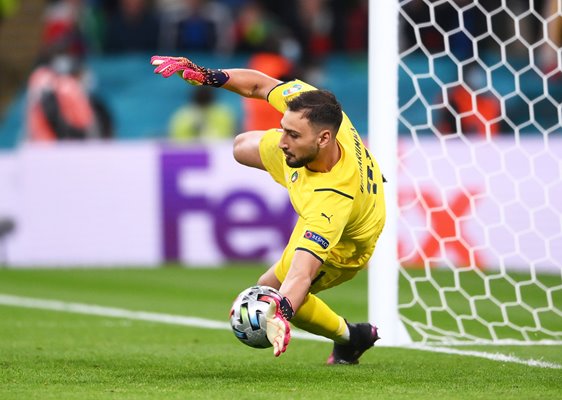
59	355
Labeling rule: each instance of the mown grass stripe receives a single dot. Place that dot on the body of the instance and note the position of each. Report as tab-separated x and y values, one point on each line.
102	311
91	309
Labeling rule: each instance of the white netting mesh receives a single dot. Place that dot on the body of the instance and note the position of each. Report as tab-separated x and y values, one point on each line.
480	158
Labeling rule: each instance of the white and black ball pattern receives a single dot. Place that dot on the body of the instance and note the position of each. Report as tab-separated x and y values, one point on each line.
247	315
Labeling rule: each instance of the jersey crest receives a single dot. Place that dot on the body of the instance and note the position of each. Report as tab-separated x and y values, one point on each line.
295	176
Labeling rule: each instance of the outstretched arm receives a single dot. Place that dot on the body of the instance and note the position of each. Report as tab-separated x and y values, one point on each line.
250	83
245	82
293	290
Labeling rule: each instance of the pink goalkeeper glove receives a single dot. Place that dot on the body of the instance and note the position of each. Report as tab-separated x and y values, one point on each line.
278	329
188	70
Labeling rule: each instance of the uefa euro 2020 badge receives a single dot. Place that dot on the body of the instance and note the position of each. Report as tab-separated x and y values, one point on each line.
292	89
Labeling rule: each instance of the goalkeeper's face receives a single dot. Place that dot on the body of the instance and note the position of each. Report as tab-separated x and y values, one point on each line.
300	140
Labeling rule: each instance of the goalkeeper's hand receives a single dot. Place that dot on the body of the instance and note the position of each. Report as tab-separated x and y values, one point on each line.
188	71
278	329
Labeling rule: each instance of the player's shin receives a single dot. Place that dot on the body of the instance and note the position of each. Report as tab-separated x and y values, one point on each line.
316	317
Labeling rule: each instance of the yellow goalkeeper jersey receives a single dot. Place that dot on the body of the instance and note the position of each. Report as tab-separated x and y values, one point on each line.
341	212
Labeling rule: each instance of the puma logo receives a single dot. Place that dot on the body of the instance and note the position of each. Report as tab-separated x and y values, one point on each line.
328	218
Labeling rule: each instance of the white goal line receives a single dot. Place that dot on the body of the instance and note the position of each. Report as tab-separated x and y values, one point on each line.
102	311
489	356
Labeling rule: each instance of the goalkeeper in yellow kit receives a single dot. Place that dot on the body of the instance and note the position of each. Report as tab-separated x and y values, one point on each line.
335	186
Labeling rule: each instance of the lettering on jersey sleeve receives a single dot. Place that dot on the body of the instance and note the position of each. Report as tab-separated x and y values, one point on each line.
316	238
358	144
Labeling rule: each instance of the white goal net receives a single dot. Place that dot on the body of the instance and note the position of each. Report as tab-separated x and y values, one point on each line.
478	172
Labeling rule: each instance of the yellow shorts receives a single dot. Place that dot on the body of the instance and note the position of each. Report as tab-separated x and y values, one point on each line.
328	275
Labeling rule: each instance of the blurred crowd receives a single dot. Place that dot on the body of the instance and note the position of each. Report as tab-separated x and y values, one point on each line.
278	36
299	29
284	39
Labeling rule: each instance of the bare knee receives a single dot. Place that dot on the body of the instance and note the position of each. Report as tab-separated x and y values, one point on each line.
246	149
238	147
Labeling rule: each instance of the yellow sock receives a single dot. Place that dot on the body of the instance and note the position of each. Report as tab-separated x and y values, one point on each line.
316	317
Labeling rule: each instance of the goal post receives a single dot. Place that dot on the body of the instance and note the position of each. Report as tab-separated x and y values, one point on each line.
383	141
465	121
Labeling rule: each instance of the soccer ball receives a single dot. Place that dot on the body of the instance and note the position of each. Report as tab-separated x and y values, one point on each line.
247	316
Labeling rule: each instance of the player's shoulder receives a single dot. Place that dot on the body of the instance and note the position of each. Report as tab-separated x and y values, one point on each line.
288	90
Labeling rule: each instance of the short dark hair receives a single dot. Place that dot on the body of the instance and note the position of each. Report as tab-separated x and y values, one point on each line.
320	107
